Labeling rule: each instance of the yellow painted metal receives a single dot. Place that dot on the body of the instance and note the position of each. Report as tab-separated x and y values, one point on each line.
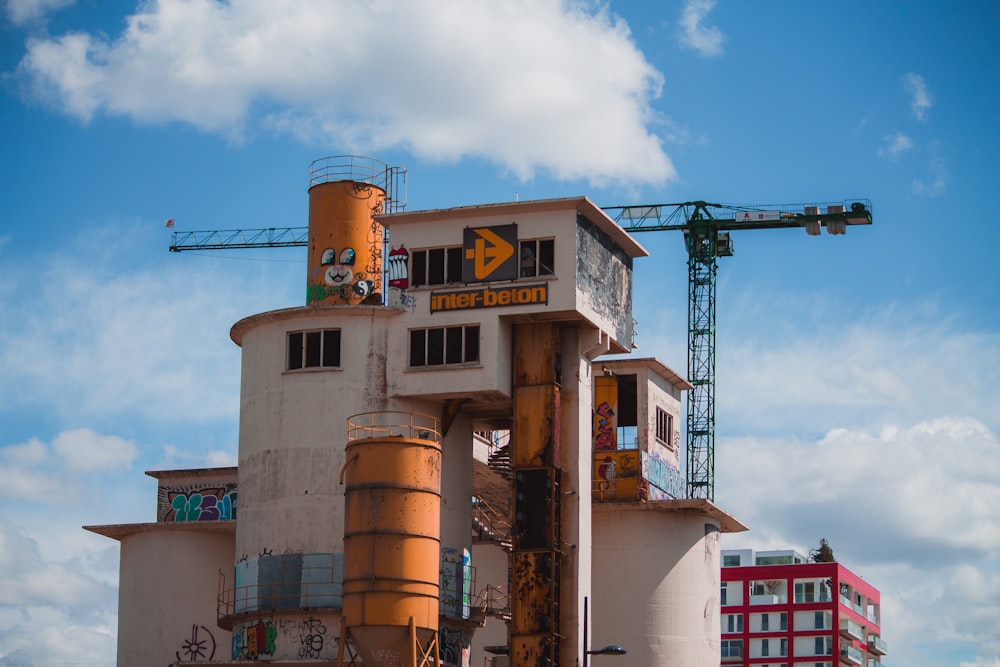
392	545
536	429
345	243
536	353
617	475
605	413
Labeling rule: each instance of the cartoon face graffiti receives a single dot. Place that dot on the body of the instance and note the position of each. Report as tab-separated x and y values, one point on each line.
338	275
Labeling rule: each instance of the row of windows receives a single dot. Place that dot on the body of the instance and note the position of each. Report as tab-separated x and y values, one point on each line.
443	266
768	622
777	647
777	621
438	346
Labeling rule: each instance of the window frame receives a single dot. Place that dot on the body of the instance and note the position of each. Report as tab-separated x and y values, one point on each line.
542	261
436	346
319	350
664	427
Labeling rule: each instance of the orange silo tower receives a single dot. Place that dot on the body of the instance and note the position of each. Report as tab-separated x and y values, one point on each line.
346	243
392	539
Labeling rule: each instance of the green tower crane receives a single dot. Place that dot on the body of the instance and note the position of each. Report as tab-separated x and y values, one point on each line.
707	235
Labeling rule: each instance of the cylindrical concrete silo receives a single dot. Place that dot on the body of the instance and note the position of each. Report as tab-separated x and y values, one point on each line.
345	242
392	543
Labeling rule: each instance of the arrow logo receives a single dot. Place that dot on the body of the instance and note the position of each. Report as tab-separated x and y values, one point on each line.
488	253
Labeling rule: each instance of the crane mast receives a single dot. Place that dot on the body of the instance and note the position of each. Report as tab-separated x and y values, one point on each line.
707	237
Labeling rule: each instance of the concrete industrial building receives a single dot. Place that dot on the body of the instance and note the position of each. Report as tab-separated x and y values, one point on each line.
780	609
438	461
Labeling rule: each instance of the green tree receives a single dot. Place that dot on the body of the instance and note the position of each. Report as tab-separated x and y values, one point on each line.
824	554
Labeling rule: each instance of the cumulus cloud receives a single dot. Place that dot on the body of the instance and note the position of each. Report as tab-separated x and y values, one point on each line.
910	507
35	471
894	145
20	12
42	600
552	86
920	97
87	451
695	34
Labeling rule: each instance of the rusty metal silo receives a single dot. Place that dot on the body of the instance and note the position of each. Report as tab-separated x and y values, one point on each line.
392	538
346	243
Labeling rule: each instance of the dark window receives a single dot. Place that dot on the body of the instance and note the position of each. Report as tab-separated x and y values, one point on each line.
444	345
295	350
664	425
454	267
436	266
435	347
418	276
763	622
331	348
313	349
472	343
453	345
418	347
536	258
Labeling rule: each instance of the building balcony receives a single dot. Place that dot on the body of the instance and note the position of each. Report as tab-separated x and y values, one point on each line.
767	599
877	645
851	630
851	655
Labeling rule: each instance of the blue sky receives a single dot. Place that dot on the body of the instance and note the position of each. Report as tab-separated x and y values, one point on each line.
857	375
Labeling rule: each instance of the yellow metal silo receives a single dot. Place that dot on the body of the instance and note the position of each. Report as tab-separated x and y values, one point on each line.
392	539
345	241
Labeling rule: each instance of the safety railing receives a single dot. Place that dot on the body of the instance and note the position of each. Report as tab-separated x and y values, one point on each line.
393	425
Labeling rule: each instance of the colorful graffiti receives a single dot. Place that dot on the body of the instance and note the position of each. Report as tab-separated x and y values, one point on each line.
340	279
605	437
200	646
269	639
398	269
259	640
217	503
605	408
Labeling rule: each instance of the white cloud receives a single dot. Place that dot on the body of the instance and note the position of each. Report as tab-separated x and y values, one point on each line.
894	145
42	602
87	451
532	86
705	39
910	508
20	12
920	98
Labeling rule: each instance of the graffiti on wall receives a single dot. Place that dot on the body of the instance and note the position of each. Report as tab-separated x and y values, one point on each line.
340	278
200	646
605	409
398	269
268	639
604	428
453	644
196	503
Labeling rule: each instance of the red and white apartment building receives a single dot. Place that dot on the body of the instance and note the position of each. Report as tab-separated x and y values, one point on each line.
781	610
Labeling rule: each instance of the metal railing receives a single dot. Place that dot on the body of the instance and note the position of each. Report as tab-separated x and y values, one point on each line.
393	425
392	180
